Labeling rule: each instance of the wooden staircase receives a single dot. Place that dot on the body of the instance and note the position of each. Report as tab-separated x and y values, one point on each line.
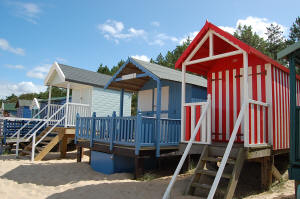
204	172
45	146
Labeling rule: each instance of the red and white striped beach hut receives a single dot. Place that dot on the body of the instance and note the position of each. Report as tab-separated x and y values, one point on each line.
219	56
247	109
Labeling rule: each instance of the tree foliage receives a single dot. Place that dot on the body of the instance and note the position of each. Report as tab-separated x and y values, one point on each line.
275	40
105	70
294	35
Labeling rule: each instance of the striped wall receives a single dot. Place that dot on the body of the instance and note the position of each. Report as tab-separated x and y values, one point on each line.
281	113
227	91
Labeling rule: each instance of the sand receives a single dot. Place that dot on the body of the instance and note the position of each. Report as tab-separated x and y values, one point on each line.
53	179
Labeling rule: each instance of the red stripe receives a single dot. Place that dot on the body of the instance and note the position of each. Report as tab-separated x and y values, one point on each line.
250	127
198	114
231	101
217	106
277	108
273	102
238	100
254	94
224	105
286	111
263	98
280	107
188	123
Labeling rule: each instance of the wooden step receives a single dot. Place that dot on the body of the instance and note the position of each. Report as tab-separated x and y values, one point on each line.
27	152
218	159
213	173
44	143
39	148
207	187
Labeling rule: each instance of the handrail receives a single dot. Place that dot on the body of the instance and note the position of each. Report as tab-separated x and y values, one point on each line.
35	144
18	131
187	149
45	122
227	152
251	101
78	104
194	104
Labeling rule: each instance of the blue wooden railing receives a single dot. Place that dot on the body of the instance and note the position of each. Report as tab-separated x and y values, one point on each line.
138	131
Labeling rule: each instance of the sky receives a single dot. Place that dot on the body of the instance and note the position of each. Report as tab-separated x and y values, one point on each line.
84	34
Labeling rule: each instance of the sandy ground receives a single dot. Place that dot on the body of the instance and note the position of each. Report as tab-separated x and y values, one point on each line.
51	179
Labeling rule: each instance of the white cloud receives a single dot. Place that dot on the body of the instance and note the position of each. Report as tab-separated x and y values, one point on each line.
61	60
190	35
259	25
155	23
141	57
27	11
7	89
4	45
161	38
18	66
39	72
114	30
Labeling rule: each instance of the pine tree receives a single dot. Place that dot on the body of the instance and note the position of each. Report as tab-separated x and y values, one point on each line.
275	40
294	35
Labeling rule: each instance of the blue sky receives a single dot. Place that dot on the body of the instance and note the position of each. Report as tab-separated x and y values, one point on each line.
34	34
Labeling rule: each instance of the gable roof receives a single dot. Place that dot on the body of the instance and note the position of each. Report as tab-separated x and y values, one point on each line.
82	76
156	71
77	75
294	48
248	49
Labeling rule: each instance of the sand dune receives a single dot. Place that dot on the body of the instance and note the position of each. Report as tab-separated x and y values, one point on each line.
53	179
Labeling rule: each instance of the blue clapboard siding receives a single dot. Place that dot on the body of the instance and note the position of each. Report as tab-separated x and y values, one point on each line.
24	112
105	101
193	94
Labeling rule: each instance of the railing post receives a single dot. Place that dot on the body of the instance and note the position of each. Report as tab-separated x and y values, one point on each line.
77	128
209	120
33	146
112	130
138	130
93	130
4	131
17	144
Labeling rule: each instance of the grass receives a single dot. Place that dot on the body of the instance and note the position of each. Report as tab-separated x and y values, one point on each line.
148	177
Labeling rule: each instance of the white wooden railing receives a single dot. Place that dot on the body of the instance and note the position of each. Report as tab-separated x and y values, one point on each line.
84	110
192	115
188	148
258	124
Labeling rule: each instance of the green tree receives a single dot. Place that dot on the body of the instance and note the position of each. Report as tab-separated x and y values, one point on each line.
246	34
294	35
103	69
275	40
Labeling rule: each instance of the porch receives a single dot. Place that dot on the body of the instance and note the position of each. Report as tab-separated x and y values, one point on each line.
135	135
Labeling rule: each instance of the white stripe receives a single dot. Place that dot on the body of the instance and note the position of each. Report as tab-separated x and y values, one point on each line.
234	96
278	106
281	109
213	91
242	100
227	106
284	104
258	77
220	104
275	108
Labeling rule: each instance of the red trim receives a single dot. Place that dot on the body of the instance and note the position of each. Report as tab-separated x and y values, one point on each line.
198	114
280	107
217	106
224	105
188	123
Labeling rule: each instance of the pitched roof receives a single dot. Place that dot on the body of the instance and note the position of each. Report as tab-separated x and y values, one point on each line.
53	99
9	106
166	73
82	76
21	103
289	50
250	50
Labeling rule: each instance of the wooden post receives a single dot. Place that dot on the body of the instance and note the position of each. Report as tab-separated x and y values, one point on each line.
121	102
138	128
49	102
93	130
246	99
79	153
158	110
139	166
67	102
112	130
182	101
266	172
63	146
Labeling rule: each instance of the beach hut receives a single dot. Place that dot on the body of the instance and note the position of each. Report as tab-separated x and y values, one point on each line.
155	129
292	54
247	113
9	109
23	108
58	118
